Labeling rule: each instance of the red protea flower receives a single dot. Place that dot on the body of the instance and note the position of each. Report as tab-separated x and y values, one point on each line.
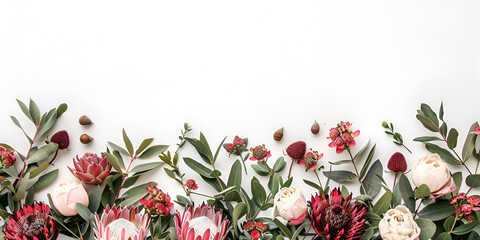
61	138
7	158
336	218
91	168
121	223
397	163
259	153
297	150
32	223
201	222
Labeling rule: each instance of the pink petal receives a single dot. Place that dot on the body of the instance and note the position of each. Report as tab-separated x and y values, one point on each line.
95	169
298	220
477	130
356	133
313	167
339	150
448	188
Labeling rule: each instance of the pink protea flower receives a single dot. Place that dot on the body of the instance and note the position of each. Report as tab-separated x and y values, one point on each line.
121	223
310	160
201	223
159	203
259	153
32	222
91	168
342	137
7	158
191	184
336	218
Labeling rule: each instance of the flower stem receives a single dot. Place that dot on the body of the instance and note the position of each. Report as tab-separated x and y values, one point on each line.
318	178
416	211
406	148
124	176
290	170
453	225
203	195
459	158
79	232
31	145
356	170
394	181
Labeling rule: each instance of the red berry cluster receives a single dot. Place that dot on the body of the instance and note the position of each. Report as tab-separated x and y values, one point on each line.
159	203
255	229
191	184
236	147
465	205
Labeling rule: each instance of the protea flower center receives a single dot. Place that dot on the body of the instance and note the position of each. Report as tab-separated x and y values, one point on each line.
33	226
336	217
259	152
201	224
117	226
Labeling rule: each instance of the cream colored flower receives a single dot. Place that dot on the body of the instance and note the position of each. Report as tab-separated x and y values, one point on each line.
290	204
432	171
66	195
398	224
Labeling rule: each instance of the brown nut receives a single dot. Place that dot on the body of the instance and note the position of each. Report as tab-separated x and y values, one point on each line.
315	128
278	135
85	138
84	120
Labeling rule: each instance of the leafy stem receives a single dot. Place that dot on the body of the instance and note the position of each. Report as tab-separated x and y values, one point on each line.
37	128
356	170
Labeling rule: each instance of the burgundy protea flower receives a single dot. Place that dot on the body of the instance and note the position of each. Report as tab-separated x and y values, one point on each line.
61	138
259	153
121	223
336	218
7	158
397	163
91	168
201	223
32	223
342	137
310	160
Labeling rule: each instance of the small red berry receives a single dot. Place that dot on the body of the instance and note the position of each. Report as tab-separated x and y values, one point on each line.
249	226
297	150
261	226
255	235
397	163
61	138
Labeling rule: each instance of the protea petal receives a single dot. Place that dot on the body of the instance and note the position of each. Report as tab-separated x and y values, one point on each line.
202	223
91	168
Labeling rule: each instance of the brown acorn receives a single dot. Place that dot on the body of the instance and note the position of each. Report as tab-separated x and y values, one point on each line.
85	138
278	135
315	128
84	120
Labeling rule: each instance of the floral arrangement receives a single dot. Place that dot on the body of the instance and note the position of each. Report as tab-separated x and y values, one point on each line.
118	207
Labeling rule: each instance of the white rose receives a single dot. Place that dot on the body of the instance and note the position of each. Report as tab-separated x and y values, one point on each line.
432	171
66	195
398	224
290	204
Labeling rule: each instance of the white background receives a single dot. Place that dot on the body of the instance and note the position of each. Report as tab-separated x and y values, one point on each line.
245	68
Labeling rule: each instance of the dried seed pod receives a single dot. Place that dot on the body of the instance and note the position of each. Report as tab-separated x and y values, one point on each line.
84	120
315	128
278	135
85	138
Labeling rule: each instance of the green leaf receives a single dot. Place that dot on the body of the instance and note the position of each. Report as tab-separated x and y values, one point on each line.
367	162
359	153
118	148
183	201
94	199
235	178
144	145
283	228
258	192
371	183
279	165
20	194
457	178
441	113
452	138
128	143
61	109
437	211
34	112
340	176
24	109
422	192
130	200
444	236
383	204
17	123
142	188
274	183
473	180
469	144
465	228
153	151
113	161
427	110
261	169
146	167
448	224
198	167
45	180
427	123
312	184
239	211
443	153
427	139
51	118
43	153
225	191
427	227
340	162
84	212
